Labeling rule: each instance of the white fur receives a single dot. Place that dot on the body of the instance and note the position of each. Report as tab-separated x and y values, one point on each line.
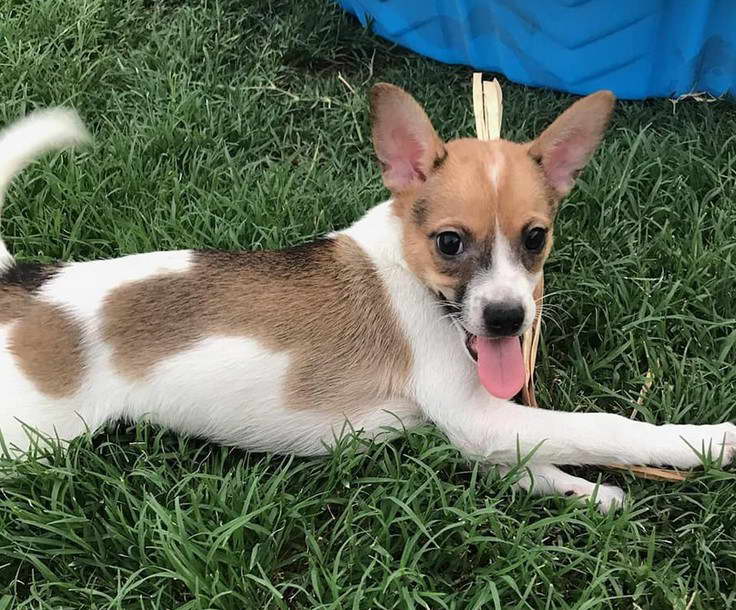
507	281
227	389
495	169
21	403
231	390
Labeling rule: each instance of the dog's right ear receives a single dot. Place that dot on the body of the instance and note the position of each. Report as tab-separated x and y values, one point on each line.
405	142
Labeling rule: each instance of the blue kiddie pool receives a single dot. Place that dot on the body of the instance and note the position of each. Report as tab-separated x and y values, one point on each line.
637	48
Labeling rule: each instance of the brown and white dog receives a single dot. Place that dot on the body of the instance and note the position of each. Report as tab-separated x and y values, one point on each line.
412	314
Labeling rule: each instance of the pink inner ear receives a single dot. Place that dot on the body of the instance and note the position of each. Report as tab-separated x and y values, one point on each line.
402	161
566	158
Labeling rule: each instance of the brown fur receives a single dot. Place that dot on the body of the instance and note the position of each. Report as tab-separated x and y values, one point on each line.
322	303
47	345
17	285
13	301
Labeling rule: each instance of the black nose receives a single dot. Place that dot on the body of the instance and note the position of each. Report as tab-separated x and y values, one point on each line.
503	319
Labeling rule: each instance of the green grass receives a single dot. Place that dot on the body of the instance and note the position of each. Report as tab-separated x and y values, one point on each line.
223	123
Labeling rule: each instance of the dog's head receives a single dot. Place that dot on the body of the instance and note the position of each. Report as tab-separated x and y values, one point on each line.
477	216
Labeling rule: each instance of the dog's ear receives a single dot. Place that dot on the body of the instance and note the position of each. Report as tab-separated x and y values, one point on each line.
566	145
406	144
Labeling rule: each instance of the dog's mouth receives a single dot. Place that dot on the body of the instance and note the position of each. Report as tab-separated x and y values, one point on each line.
499	360
500	363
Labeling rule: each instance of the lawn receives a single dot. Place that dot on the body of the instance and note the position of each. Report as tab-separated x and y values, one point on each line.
237	124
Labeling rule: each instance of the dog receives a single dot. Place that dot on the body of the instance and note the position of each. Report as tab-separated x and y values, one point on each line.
412	314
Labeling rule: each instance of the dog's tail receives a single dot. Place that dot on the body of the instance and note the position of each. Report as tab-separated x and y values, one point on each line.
30	137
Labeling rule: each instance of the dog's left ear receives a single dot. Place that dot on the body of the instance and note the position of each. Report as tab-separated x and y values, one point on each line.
566	145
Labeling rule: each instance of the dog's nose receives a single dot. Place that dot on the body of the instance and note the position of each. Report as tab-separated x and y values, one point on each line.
503	319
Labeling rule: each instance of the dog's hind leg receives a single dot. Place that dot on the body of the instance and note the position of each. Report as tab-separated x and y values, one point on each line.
25	409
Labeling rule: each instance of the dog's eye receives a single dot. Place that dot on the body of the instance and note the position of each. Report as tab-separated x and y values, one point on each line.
534	239
449	243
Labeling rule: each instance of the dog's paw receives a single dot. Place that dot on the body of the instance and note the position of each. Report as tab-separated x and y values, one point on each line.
544	479
685	446
605	497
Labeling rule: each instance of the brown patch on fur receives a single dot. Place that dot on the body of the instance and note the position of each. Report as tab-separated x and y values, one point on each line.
13	301
17	285
479	186
47	344
322	302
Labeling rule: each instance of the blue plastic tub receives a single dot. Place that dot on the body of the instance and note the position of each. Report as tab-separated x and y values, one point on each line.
637	48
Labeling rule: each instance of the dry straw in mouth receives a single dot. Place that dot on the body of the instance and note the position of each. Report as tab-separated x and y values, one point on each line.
488	111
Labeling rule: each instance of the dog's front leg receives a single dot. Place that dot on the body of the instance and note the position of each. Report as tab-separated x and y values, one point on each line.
502	432
548	480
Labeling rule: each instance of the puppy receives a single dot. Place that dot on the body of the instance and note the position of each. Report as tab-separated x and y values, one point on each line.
411	314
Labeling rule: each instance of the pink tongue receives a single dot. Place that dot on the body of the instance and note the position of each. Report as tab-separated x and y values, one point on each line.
500	365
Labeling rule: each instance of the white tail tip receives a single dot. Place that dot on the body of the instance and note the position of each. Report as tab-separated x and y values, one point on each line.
30	137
